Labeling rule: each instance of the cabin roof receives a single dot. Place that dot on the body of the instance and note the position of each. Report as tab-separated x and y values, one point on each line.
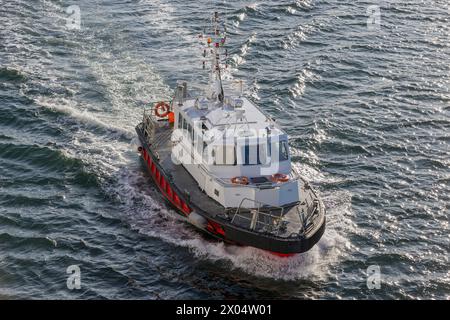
245	121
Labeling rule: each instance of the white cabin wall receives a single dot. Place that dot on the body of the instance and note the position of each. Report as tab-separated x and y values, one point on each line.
211	186
235	195
289	193
231	196
250	171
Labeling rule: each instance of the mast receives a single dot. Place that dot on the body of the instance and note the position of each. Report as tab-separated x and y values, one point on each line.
215	43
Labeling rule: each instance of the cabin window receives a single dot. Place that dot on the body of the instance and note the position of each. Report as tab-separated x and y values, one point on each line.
246	154
224	155
184	124
180	121
191	132
278	147
197	141
262	153
284	152
252	153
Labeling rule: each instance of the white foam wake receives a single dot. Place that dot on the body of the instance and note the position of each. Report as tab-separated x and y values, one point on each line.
153	219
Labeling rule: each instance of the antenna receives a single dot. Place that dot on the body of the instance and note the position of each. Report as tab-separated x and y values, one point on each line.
215	42
221	94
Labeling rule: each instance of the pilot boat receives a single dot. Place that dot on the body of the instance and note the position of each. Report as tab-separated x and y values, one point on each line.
225	166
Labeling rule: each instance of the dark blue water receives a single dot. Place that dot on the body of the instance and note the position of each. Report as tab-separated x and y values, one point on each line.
367	110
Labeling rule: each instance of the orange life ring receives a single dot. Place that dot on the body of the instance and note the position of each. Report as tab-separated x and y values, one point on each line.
239	180
280	177
162	109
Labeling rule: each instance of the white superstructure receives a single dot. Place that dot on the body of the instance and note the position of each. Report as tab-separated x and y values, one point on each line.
231	148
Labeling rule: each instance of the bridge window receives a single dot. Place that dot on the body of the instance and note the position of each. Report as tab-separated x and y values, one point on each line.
224	155
250	154
180	121
190	132
254	153
284	152
278	149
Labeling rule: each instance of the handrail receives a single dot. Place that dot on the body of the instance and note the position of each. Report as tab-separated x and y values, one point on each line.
149	108
256	215
303	226
259	203
317	203
150	121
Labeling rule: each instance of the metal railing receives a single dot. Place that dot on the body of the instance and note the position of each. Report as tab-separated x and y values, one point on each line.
254	217
149	111
277	224
311	202
151	122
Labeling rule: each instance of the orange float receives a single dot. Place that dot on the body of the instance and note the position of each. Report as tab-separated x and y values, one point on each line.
280	177
239	180
162	109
